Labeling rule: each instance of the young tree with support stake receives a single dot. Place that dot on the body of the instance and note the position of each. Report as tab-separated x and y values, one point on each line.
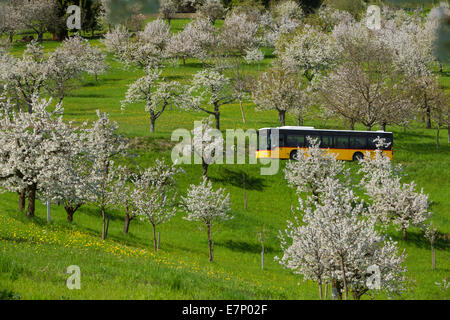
204	204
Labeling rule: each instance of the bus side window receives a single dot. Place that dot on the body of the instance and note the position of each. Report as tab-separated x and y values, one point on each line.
341	142
282	140
295	141
358	142
327	141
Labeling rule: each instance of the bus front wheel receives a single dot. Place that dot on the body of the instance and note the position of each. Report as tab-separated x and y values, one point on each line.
357	156
293	155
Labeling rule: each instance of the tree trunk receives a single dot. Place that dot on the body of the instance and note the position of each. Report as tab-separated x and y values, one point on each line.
344	280
152	121
320	289
217	116
205	168
300	120
326	290
437	136
22	197
368	127
155	247
103	223
70	212
282	117
405	234
107	225
433	257
352	124
428	117
383	126
356	295
208	225
336	293
126	224
31	200
448	127
242	111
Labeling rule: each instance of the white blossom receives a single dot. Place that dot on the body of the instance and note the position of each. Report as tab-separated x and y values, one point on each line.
312	167
281	90
203	203
155	92
33	148
209	87
335	244
238	33
212	9
105	145
310	51
152	197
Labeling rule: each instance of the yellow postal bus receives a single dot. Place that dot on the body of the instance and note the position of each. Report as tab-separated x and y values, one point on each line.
347	144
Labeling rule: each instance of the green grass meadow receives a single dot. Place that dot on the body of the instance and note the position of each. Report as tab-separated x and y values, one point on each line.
34	254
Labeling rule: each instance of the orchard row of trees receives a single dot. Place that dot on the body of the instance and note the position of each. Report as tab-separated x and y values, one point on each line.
330	63
42	157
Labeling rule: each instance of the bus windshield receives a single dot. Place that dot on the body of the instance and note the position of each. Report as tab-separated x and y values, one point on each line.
263	140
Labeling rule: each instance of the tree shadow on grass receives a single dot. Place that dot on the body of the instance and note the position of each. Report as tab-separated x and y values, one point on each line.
236	178
418	239
192	65
242	246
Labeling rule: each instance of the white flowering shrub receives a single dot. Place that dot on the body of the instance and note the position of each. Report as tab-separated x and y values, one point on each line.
168	9
156	33
136	51
207	144
36	72
284	17
253	55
